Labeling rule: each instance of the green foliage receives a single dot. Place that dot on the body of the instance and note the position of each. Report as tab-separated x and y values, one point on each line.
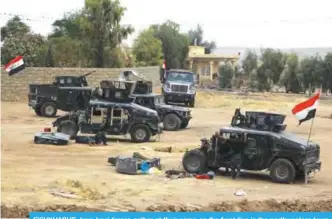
147	49
226	73
273	63
250	62
175	44
14	27
290	76
28	45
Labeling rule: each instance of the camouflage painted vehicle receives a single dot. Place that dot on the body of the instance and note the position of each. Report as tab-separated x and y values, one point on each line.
261	140
67	93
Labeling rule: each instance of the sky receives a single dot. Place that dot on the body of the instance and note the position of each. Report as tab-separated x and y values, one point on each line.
232	23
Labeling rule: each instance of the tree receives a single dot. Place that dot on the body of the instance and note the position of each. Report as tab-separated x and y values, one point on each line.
175	44
147	49
273	63
102	26
311	73
226	73
250	62
327	74
14	27
28	45
290	78
97	30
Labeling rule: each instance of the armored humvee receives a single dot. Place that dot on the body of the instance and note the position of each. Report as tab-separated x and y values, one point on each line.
67	93
173	117
178	86
113	113
261	140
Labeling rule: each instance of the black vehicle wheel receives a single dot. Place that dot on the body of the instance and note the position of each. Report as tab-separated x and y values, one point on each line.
140	133
282	171
48	109
184	125
171	122
192	103
38	111
194	161
68	127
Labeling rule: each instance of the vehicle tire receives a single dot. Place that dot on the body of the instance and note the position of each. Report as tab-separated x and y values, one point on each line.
171	122
282	171
38	111
68	127
192	103
184	125
49	109
140	133
195	161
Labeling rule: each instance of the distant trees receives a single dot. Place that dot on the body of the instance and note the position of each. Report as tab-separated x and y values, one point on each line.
274	68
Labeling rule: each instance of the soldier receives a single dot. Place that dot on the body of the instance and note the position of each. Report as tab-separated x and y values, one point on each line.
236	162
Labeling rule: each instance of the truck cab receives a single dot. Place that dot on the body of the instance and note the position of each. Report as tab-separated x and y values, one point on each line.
179	86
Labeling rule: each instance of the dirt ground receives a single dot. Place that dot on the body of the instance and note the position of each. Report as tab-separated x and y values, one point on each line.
30	171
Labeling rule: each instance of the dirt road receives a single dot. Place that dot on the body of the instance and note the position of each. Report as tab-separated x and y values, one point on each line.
29	171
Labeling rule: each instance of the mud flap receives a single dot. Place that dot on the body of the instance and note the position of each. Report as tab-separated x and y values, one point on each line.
306	174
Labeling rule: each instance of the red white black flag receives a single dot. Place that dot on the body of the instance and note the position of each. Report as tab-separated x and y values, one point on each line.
306	110
15	65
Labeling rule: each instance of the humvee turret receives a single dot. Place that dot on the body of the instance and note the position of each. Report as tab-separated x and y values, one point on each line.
140	92
261	140
66	93
113	112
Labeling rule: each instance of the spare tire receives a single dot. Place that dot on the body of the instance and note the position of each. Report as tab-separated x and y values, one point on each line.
195	161
68	127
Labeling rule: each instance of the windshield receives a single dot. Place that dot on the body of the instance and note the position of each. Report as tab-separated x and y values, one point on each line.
180	76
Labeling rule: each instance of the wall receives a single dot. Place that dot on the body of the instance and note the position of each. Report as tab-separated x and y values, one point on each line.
16	87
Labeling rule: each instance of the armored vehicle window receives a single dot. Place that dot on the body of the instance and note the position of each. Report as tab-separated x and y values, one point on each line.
62	81
69	80
98	115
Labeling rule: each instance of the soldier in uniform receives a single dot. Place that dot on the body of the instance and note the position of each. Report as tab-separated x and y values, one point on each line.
236	162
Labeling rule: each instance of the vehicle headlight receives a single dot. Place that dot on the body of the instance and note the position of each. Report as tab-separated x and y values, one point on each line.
167	87
192	89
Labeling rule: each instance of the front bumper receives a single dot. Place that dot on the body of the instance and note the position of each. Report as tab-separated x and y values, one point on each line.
33	104
312	167
179	97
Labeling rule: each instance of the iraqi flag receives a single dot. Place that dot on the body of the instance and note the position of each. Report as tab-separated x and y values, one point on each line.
306	110
15	65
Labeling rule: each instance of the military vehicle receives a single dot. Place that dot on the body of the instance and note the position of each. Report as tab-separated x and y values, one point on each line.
178	86
173	117
261	140
111	111
66	93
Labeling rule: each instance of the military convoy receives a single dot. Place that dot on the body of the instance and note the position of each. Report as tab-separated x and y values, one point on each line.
262	143
126	107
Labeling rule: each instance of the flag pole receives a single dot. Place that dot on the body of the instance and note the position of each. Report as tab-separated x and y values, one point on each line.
312	122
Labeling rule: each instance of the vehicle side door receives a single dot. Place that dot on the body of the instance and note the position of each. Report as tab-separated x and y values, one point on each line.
118	120
66	99
97	120
257	151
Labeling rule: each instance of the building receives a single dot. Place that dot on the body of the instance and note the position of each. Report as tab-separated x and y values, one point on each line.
206	65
